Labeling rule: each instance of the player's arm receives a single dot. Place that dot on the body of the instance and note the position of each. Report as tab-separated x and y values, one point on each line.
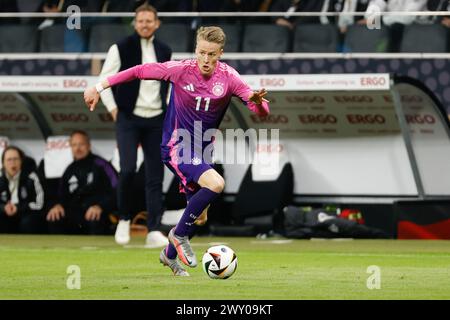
257	97
257	103
110	67
92	94
254	100
147	71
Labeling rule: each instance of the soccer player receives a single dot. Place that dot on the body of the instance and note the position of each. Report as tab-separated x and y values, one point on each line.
201	92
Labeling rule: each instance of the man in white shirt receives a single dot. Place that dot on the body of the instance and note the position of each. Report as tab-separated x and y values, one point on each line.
396	24
138	108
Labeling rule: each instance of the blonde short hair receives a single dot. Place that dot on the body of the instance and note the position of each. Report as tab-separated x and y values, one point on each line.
212	34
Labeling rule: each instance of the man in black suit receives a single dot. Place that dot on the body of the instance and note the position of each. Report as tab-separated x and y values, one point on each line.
138	108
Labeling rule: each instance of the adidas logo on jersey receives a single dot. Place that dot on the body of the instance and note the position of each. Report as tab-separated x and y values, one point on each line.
189	87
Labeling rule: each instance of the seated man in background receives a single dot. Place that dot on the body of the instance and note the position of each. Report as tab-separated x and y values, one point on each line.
86	192
291	6
21	195
395	23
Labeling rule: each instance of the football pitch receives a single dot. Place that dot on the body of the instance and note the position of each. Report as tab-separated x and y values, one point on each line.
42	267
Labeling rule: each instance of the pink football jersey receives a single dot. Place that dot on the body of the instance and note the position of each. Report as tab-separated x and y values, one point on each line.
193	96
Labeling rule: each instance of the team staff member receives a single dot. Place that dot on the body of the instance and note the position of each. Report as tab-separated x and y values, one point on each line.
21	195
87	192
138	109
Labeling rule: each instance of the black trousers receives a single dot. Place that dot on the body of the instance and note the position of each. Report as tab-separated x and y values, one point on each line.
29	222
74	223
396	34
131	131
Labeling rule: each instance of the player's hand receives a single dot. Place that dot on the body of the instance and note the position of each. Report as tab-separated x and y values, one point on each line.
55	213
91	97
258	96
93	213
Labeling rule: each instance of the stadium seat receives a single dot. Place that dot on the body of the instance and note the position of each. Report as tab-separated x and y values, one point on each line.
315	38
361	39
18	38
258	207
29	164
52	39
57	38
58	156
233	33
4	142
424	38
259	201
275	38
103	36
50	186
176	35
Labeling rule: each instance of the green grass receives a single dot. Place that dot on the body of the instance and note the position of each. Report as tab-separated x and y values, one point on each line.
35	267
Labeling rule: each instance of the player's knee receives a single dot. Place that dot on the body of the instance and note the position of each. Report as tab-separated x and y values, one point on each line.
216	185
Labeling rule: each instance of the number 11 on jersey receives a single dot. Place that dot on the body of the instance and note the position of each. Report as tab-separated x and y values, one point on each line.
199	102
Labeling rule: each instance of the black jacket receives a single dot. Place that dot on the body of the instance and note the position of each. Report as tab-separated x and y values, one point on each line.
87	182
130	52
30	193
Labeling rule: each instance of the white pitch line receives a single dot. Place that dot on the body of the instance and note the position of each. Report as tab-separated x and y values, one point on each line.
271	242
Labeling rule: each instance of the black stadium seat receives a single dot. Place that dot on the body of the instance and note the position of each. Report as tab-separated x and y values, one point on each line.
259	198
103	36
234	35
57	38
18	38
176	35
266	38
315	38
424	38
50	185
359	38
258	207
52	39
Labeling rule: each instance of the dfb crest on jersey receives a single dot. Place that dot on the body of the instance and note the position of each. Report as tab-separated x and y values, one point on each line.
218	89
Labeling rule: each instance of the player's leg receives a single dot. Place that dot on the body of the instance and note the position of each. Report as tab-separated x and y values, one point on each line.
168	256
211	184
171	251
203	218
172	263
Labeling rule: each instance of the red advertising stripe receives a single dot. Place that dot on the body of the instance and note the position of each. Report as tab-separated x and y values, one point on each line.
410	230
